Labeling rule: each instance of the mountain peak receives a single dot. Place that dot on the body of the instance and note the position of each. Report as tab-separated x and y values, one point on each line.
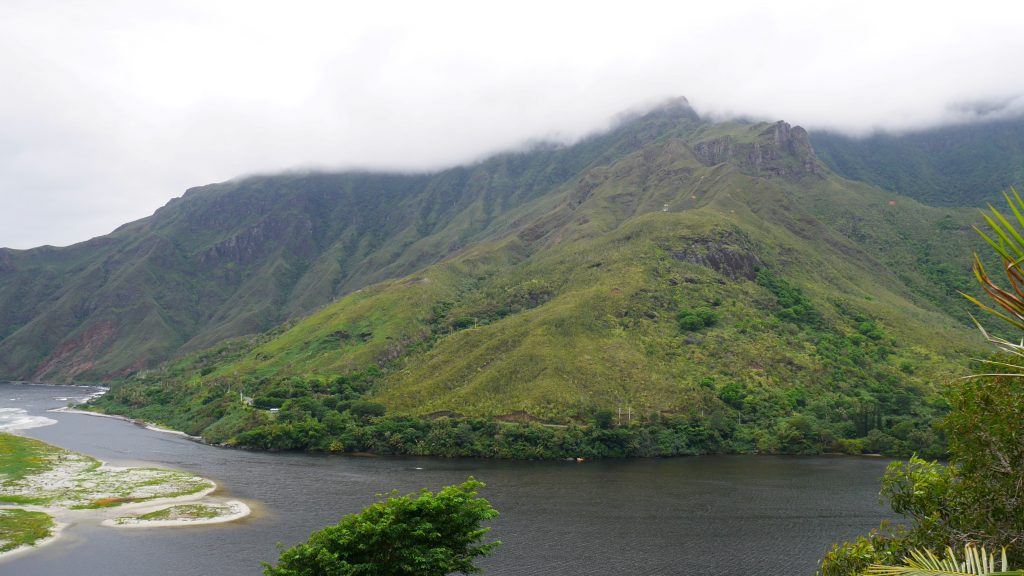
762	149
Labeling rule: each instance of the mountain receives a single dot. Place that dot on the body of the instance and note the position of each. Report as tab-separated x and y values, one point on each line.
243	256
714	275
961	165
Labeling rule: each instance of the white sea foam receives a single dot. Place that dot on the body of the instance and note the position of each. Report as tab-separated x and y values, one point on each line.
18	419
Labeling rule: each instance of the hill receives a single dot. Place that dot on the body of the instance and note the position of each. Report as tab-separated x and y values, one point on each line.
950	166
712	288
241	257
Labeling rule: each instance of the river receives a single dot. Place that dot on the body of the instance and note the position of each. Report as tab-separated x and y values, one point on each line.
730	515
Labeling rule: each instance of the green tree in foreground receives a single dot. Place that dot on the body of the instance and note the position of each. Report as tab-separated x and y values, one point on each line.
420	534
978	498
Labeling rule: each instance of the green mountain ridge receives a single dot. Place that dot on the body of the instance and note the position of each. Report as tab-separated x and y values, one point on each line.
716	273
243	256
958	165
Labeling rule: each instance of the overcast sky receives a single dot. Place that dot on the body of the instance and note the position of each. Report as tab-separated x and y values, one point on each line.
109	109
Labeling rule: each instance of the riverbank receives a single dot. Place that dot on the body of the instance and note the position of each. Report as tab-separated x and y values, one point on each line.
137	422
22	530
43	481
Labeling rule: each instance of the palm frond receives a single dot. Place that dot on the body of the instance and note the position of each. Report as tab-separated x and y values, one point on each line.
925	563
1008	243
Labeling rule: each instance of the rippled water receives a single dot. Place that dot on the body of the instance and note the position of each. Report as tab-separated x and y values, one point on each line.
741	515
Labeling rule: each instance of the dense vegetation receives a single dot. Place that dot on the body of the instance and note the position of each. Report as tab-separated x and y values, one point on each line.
421	534
960	165
976	498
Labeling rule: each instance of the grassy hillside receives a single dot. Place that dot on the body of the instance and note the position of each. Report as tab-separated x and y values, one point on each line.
714	291
241	257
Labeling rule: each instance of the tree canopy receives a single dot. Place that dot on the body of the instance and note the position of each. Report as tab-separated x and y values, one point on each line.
420	534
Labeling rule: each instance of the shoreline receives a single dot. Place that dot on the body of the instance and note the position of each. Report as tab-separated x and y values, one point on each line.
58	528
139	423
99	391
64	512
241	510
199	439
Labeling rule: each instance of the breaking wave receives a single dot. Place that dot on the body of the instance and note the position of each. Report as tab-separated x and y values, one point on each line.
18	419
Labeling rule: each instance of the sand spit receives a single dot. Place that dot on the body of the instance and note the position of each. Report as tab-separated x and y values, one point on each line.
146	425
206	511
74	488
58	527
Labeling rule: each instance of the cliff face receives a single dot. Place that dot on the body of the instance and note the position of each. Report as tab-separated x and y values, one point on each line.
771	149
727	253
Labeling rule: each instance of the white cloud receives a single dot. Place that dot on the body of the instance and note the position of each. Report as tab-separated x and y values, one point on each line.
109	109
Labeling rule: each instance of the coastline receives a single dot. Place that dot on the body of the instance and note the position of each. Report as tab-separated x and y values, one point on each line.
99	391
77	489
58	528
140	423
64	517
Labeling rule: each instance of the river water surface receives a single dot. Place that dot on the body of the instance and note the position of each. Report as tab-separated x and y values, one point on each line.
731	515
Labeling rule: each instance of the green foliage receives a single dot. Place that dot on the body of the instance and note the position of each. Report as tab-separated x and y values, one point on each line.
887	544
974	562
365	409
662	436
414	535
696	319
793	306
603	419
950	166
976	498
733	394
463	322
984	431
1008	244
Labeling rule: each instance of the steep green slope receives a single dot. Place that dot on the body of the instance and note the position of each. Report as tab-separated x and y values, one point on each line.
240	257
962	165
714	283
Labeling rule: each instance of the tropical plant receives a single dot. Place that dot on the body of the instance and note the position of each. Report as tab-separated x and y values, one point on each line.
926	563
1008	244
977	497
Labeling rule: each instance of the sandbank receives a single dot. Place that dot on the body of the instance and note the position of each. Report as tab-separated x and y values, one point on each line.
76	488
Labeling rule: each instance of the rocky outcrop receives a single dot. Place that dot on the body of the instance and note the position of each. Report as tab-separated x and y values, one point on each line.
254	243
727	253
775	150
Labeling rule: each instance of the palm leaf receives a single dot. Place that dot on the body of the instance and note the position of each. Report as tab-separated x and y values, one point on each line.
1008	232
1008	243
925	563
